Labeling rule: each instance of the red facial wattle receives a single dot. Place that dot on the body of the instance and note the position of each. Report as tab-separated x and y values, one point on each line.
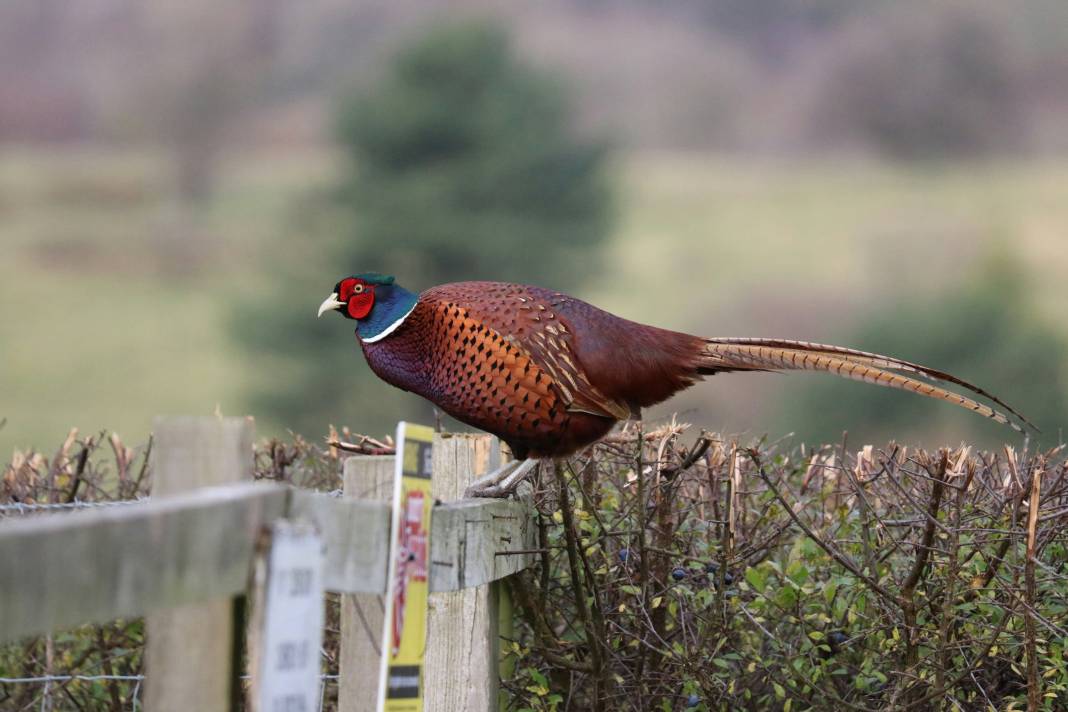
358	296
359	305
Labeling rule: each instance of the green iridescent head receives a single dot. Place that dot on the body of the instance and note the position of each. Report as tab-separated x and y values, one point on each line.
372	278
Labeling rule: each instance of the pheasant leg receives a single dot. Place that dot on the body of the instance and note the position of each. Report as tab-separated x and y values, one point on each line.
502	481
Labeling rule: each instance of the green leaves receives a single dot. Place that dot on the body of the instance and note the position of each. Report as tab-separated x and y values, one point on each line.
797	573
756	578
795	628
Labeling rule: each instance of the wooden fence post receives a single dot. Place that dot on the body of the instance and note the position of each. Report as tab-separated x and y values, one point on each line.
462	627
365	477
191	651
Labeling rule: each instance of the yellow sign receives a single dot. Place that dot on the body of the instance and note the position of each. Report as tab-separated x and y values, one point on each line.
400	687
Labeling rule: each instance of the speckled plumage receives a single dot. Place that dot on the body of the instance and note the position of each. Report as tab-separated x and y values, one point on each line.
549	373
502	357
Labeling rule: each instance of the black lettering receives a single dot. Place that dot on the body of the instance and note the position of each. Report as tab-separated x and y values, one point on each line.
292	655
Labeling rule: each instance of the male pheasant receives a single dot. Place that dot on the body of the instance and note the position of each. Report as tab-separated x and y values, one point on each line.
549	373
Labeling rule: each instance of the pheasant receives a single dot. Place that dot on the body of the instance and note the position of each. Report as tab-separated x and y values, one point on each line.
550	374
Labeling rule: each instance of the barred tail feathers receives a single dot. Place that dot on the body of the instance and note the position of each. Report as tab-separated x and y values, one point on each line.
759	354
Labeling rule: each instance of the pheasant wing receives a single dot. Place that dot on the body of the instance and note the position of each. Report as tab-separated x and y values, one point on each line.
530	319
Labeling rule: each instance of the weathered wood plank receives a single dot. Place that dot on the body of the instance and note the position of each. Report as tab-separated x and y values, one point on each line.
125	561
469	544
70	568
356	535
369	478
192	451
462	642
470	540
286	624
192	651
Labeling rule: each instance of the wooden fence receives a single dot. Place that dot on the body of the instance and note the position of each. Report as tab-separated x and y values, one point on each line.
184	560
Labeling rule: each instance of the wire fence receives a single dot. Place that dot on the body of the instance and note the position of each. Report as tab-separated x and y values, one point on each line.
48	696
14	509
742	578
47	701
22	508
99	667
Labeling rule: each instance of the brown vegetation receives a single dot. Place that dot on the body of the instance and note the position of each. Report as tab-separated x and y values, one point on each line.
721	576
717	575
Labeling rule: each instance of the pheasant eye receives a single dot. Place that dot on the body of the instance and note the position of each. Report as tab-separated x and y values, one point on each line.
357	289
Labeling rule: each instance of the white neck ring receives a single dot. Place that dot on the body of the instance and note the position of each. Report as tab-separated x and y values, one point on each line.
389	329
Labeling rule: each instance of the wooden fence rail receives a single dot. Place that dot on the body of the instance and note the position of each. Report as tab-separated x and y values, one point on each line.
176	556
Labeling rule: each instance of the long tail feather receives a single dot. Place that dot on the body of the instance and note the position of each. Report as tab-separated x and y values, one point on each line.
758	354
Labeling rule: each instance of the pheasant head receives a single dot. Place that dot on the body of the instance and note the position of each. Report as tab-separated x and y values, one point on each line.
373	300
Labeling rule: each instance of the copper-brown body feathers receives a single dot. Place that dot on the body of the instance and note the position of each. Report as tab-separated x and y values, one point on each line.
549	373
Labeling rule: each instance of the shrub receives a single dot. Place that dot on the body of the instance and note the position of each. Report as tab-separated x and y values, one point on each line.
723	578
710	577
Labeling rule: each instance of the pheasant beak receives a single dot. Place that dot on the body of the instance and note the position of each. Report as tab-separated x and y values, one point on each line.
331	303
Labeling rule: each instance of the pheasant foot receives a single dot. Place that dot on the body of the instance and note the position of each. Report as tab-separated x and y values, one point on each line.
502	481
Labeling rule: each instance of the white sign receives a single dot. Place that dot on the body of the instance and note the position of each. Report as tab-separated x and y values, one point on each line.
291	632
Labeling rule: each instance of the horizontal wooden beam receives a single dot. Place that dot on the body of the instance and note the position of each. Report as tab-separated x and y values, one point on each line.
475	541
470	543
60	570
355	533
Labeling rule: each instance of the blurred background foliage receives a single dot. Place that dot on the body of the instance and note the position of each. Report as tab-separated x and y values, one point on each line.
463	152
181	183
459	166
986	328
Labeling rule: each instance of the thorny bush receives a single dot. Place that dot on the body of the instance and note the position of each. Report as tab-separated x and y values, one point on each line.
716	576
99	469
726	577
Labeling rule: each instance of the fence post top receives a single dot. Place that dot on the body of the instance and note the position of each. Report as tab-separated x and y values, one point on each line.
356	459
202	420
463	436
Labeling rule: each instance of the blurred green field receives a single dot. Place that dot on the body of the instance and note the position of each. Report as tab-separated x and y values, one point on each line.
107	319
115	303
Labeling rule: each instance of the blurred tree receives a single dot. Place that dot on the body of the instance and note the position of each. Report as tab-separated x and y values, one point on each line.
463	153
462	167
984	331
